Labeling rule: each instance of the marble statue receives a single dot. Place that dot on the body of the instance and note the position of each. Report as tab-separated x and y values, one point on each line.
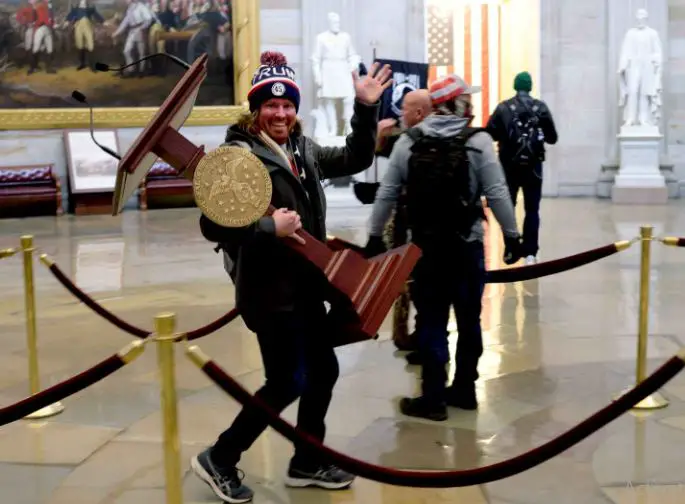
640	69
333	60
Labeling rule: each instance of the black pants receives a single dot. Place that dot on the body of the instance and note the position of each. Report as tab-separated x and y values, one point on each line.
529	180
442	282
299	361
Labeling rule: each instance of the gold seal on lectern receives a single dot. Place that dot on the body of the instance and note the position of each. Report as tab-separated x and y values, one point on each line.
232	186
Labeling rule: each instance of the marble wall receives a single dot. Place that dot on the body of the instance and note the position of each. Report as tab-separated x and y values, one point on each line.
579	43
676	87
281	30
572	82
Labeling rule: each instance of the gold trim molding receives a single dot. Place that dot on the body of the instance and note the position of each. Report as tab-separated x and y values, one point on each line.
115	117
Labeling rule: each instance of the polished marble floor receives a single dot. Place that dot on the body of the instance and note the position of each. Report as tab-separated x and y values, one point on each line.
557	349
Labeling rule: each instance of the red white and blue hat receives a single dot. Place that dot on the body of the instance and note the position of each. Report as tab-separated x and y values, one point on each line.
273	79
449	88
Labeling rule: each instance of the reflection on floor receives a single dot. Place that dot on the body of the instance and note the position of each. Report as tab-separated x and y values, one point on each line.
557	349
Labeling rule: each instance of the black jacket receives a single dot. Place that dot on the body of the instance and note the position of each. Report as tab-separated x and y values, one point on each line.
500	124
268	275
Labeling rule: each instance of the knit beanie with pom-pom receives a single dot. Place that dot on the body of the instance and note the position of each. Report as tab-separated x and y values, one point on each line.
273	79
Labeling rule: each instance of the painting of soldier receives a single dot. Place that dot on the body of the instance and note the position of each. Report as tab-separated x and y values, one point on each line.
48	48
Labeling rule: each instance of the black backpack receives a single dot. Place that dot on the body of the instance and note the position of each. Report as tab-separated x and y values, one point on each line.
439	202
526	136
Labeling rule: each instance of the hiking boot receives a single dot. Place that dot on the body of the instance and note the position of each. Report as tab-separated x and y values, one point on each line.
329	477
462	397
225	482
420	408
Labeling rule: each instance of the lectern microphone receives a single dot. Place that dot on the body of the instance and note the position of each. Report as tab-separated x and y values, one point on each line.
103	67
81	98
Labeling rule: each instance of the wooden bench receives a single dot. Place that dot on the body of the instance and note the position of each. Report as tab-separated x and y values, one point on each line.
164	188
30	190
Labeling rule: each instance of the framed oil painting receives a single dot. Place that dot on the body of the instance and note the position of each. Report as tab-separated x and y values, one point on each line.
48	48
90	169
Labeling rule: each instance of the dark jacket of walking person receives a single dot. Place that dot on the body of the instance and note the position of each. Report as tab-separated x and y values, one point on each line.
521	126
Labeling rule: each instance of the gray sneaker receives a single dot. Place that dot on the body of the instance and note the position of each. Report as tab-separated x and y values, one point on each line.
329	477
225	482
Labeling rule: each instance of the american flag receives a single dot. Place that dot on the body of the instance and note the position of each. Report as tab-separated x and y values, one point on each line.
465	39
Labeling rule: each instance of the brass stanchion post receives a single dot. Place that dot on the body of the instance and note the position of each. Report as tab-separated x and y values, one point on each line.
165	325
655	400
31	331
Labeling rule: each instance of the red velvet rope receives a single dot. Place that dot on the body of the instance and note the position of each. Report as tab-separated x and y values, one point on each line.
57	392
94	305
547	268
494	276
520	273
679	243
125	326
450	479
213	326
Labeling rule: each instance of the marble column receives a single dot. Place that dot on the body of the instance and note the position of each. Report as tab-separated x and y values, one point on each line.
415	39
550	51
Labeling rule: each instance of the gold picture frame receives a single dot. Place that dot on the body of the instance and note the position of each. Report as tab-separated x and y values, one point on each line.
246	50
115	117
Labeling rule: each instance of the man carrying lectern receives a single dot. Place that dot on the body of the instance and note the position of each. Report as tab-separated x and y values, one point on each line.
279	295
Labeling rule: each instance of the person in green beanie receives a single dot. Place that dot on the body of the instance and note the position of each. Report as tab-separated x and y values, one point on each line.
521	126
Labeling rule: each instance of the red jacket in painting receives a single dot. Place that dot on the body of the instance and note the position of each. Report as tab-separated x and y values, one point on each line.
25	15
43	15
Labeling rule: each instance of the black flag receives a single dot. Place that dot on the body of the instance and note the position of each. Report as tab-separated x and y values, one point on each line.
407	76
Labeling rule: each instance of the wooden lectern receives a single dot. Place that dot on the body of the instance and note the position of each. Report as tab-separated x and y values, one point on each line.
363	289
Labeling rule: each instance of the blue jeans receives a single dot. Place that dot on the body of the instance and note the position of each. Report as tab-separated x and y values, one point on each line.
453	278
530	181
299	361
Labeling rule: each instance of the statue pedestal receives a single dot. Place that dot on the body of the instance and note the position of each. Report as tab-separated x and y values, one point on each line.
639	180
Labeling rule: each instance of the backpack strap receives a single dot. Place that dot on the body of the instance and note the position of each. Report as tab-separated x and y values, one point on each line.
414	133
468	132
532	110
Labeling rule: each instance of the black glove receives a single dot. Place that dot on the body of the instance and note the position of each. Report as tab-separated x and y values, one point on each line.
366	191
512	250
374	246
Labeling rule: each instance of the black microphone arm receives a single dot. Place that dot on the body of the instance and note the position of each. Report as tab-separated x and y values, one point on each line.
80	97
103	67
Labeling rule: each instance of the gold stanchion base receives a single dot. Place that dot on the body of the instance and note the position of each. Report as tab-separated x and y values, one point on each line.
48	411
651	402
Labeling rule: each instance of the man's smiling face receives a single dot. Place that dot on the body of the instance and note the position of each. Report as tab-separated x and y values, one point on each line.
276	118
